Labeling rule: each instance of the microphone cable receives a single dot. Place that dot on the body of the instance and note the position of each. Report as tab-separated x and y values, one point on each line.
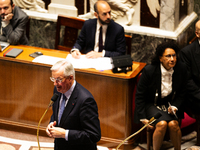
53	99
135	133
158	115
39	127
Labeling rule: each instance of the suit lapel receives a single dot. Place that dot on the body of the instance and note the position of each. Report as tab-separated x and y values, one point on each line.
175	78
108	34
196	53
93	32
158	78
13	21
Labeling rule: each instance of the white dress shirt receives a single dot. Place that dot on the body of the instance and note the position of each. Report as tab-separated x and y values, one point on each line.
166	81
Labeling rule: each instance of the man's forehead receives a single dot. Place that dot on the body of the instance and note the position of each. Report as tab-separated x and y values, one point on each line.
57	73
4	3
105	11
104	7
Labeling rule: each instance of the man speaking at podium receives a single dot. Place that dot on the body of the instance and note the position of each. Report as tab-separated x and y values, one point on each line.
13	23
74	123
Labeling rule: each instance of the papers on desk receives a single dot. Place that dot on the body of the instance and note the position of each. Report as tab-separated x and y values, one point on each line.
103	63
82	63
47	59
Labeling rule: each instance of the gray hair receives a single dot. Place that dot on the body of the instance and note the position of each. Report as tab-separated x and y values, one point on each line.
66	66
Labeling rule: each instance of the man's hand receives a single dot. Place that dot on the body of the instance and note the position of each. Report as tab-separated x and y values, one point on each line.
51	125
76	54
93	54
57	132
8	17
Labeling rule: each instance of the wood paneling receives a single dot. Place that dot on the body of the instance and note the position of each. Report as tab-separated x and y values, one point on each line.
27	89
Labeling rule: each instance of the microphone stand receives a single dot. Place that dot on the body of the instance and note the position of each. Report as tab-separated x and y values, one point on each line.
40	122
150	122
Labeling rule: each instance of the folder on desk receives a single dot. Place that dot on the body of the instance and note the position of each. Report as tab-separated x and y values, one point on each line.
12	52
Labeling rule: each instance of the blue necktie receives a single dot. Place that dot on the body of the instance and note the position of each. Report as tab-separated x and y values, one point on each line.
62	107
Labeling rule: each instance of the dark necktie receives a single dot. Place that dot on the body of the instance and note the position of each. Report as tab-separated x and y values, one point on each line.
61	108
100	40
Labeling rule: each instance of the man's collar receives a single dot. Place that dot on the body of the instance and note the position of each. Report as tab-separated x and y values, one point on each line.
69	92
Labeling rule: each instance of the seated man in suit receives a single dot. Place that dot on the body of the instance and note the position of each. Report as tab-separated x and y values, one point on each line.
190	55
100	37
74	123
13	23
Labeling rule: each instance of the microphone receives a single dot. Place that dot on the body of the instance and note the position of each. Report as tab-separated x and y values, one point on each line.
53	99
158	115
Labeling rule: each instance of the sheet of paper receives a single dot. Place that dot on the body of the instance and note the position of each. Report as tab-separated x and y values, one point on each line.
97	63
82	63
47	59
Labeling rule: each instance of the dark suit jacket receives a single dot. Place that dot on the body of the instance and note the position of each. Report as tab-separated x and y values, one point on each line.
14	33
190	55
115	44
150	81
80	117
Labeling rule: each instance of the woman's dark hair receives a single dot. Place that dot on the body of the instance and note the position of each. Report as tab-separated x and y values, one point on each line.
161	49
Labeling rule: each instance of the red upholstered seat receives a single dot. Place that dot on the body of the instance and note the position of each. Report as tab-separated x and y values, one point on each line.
187	121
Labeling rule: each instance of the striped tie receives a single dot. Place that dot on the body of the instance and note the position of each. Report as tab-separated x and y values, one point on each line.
62	107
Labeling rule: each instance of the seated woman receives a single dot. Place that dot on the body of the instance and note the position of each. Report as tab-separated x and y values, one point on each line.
161	88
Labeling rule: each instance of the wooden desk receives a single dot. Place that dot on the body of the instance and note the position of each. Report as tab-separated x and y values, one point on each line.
26	91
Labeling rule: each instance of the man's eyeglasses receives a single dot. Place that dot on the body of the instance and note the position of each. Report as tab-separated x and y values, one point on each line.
57	80
169	56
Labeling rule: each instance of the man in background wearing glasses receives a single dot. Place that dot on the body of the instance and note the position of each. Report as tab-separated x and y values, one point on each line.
74	123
